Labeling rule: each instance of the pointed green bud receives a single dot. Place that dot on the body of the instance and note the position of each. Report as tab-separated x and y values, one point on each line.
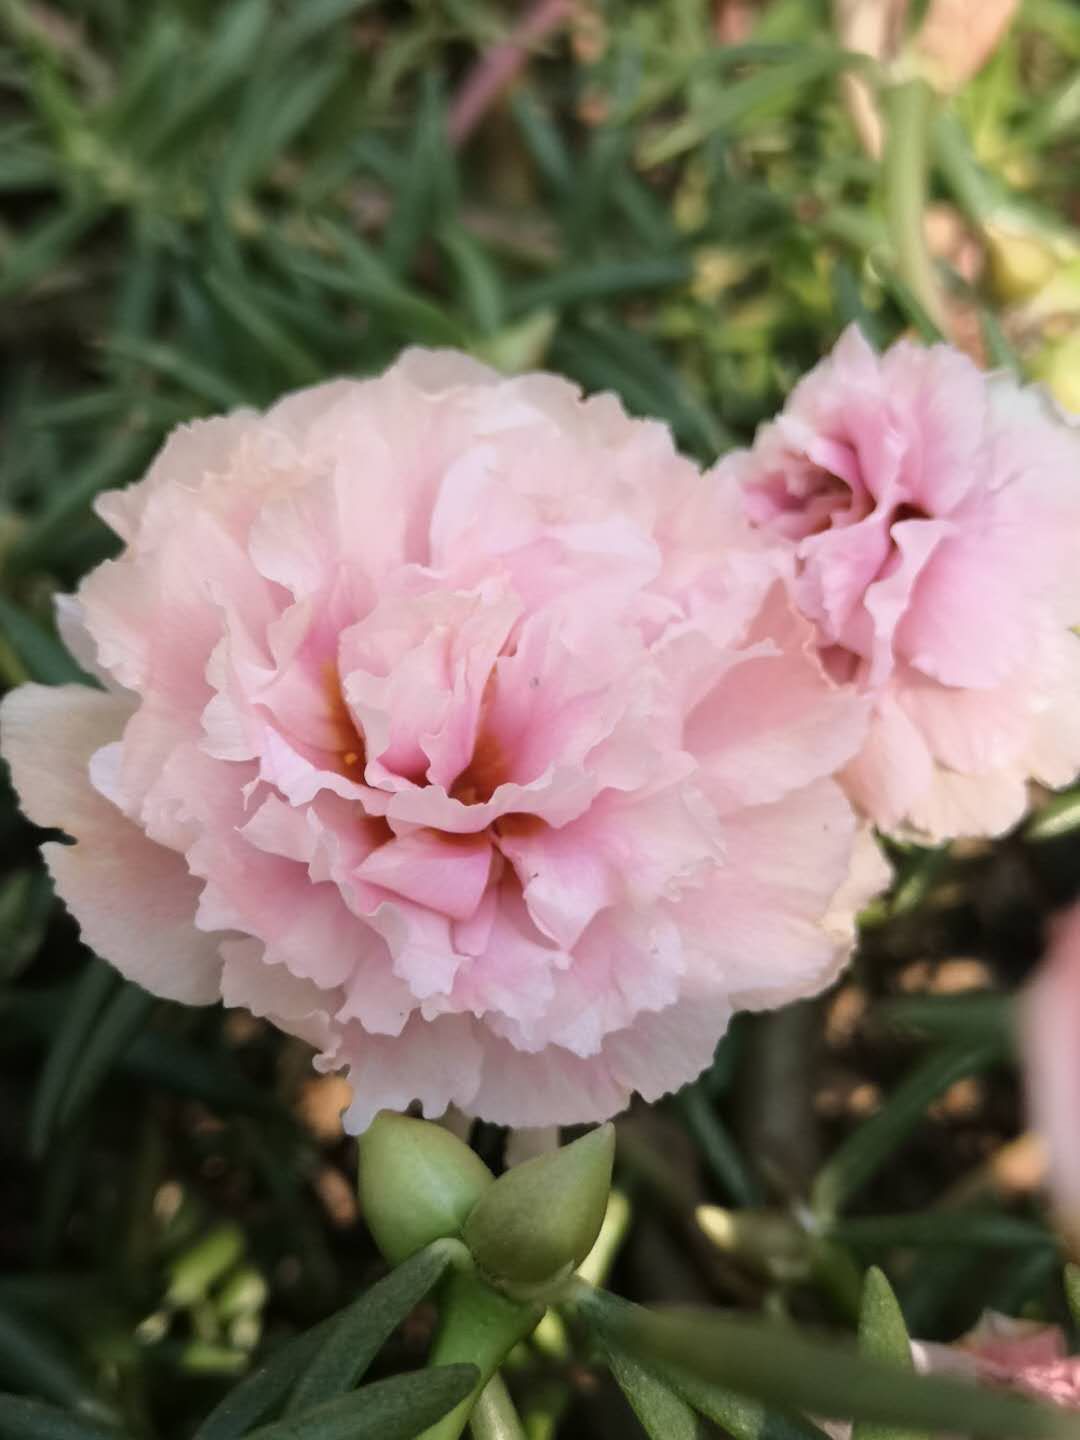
417	1183
883	1336
882	1332
542	1218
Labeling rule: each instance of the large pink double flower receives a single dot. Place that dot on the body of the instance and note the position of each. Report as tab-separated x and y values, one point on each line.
459	726
929	515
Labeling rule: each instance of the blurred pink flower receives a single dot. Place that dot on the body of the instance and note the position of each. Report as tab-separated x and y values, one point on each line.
929	517
1050	1026
457	725
1008	1354
1023	1355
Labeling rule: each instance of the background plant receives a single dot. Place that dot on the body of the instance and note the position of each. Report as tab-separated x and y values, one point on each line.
203	205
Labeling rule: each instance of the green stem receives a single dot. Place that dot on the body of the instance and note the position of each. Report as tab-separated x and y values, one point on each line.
908	113
477	1326
494	1416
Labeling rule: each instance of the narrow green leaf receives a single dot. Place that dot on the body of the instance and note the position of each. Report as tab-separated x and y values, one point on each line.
1072	1291
908	303
22	1419
31	1358
883	1336
545	145
610	279
265	1388
360	1331
948	1229
718	1149
362	276
44	246
788	1369
396	1409
279	104
999	352
38	541
114	1029
741	1418
663	1414
297	364
233	48
41	652
187	1070
771	90
1059	816
26	902
427	172
194	375
297	26
981	1015
88	995
861	1155
478	279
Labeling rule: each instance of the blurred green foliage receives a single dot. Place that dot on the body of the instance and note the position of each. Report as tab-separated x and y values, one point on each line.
205	204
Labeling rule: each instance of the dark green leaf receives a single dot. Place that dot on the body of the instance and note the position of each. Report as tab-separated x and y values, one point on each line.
297	365
575	284
396	1409
360	1331
22	1419
88	995
426	173
662	1414
45	246
741	1418
979	1015
40	651
31	1359
122	1018
788	1369
194	374
718	1149
943	1228
860	1156
41	538
265	1388
1072	1291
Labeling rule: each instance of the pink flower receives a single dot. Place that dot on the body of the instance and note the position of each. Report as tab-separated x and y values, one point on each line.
1050	1026
457	725
1001	1353
1009	1354
928	514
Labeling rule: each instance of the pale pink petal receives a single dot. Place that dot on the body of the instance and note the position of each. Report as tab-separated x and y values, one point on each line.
445	874
146	929
270	991
894	769
437	1063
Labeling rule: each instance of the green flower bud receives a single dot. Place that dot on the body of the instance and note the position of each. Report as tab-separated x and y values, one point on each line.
417	1183
542	1218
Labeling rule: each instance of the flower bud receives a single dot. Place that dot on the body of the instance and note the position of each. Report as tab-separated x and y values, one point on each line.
542	1218
417	1183
1026	253
1058	367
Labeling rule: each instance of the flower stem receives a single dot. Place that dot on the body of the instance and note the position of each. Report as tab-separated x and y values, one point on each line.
908	111
494	1416
480	1327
